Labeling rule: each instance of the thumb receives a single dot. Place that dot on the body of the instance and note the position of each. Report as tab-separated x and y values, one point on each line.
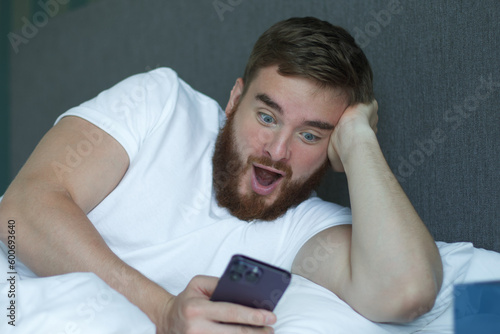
204	284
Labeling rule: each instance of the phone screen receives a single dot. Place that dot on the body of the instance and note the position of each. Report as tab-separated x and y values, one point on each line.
251	282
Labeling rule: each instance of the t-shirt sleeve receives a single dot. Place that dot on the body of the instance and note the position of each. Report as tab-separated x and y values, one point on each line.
307	220
132	109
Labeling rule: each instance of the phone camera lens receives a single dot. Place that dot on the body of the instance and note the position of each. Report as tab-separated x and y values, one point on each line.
237	271
235	276
239	267
253	275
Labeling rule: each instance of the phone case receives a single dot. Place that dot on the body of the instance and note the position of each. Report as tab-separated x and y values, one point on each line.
253	283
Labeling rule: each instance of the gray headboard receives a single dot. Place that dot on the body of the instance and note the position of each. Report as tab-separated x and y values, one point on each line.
436	67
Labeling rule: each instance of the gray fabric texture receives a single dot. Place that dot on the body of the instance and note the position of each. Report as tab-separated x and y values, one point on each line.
436	68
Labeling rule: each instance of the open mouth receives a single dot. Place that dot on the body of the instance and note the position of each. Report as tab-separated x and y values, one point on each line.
265	179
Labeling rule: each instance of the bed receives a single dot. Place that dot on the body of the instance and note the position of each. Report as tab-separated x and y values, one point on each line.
82	303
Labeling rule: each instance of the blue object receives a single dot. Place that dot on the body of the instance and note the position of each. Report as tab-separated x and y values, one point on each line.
477	308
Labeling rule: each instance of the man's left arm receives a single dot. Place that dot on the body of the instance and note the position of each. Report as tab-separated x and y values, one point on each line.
386	266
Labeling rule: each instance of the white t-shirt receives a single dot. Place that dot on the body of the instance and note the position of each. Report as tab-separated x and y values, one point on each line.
162	218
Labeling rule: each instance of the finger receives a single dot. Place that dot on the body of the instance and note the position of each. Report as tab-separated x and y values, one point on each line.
236	329
247	330
205	325
239	314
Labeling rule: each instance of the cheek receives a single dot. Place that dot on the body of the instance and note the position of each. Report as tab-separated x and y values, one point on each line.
251	137
244	136
308	160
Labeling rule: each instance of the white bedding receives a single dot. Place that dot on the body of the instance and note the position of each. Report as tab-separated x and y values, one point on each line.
82	303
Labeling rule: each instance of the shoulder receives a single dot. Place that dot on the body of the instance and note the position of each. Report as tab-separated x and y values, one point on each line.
319	209
149	79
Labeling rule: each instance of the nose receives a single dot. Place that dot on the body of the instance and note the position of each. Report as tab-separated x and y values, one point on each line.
277	146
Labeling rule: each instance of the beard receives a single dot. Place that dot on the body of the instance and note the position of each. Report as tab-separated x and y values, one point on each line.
229	167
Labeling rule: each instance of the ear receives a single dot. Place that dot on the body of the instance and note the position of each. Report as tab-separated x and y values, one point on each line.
234	98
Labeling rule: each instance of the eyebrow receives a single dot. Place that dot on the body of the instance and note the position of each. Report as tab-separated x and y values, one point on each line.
320	125
273	105
269	102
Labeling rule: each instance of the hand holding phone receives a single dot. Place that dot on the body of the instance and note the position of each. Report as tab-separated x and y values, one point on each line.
253	283
191	309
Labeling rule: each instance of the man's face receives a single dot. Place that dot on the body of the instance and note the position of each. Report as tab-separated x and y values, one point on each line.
272	151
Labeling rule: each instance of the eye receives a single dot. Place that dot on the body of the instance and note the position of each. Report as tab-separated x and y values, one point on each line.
265	118
309	137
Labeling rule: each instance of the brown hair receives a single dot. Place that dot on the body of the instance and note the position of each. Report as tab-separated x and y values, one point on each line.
317	50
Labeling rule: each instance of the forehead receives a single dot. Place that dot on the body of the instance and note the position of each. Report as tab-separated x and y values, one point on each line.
297	97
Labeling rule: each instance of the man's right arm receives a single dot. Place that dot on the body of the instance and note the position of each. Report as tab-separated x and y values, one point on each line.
74	167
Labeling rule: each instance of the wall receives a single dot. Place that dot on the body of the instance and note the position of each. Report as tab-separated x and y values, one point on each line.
436	67
19	22
4	95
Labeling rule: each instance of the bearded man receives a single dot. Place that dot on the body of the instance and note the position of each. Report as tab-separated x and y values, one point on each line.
154	199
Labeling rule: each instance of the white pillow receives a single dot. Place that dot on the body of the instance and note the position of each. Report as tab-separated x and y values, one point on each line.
484	266
309	308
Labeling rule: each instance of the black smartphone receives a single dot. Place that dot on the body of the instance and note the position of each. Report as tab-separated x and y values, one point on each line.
253	283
